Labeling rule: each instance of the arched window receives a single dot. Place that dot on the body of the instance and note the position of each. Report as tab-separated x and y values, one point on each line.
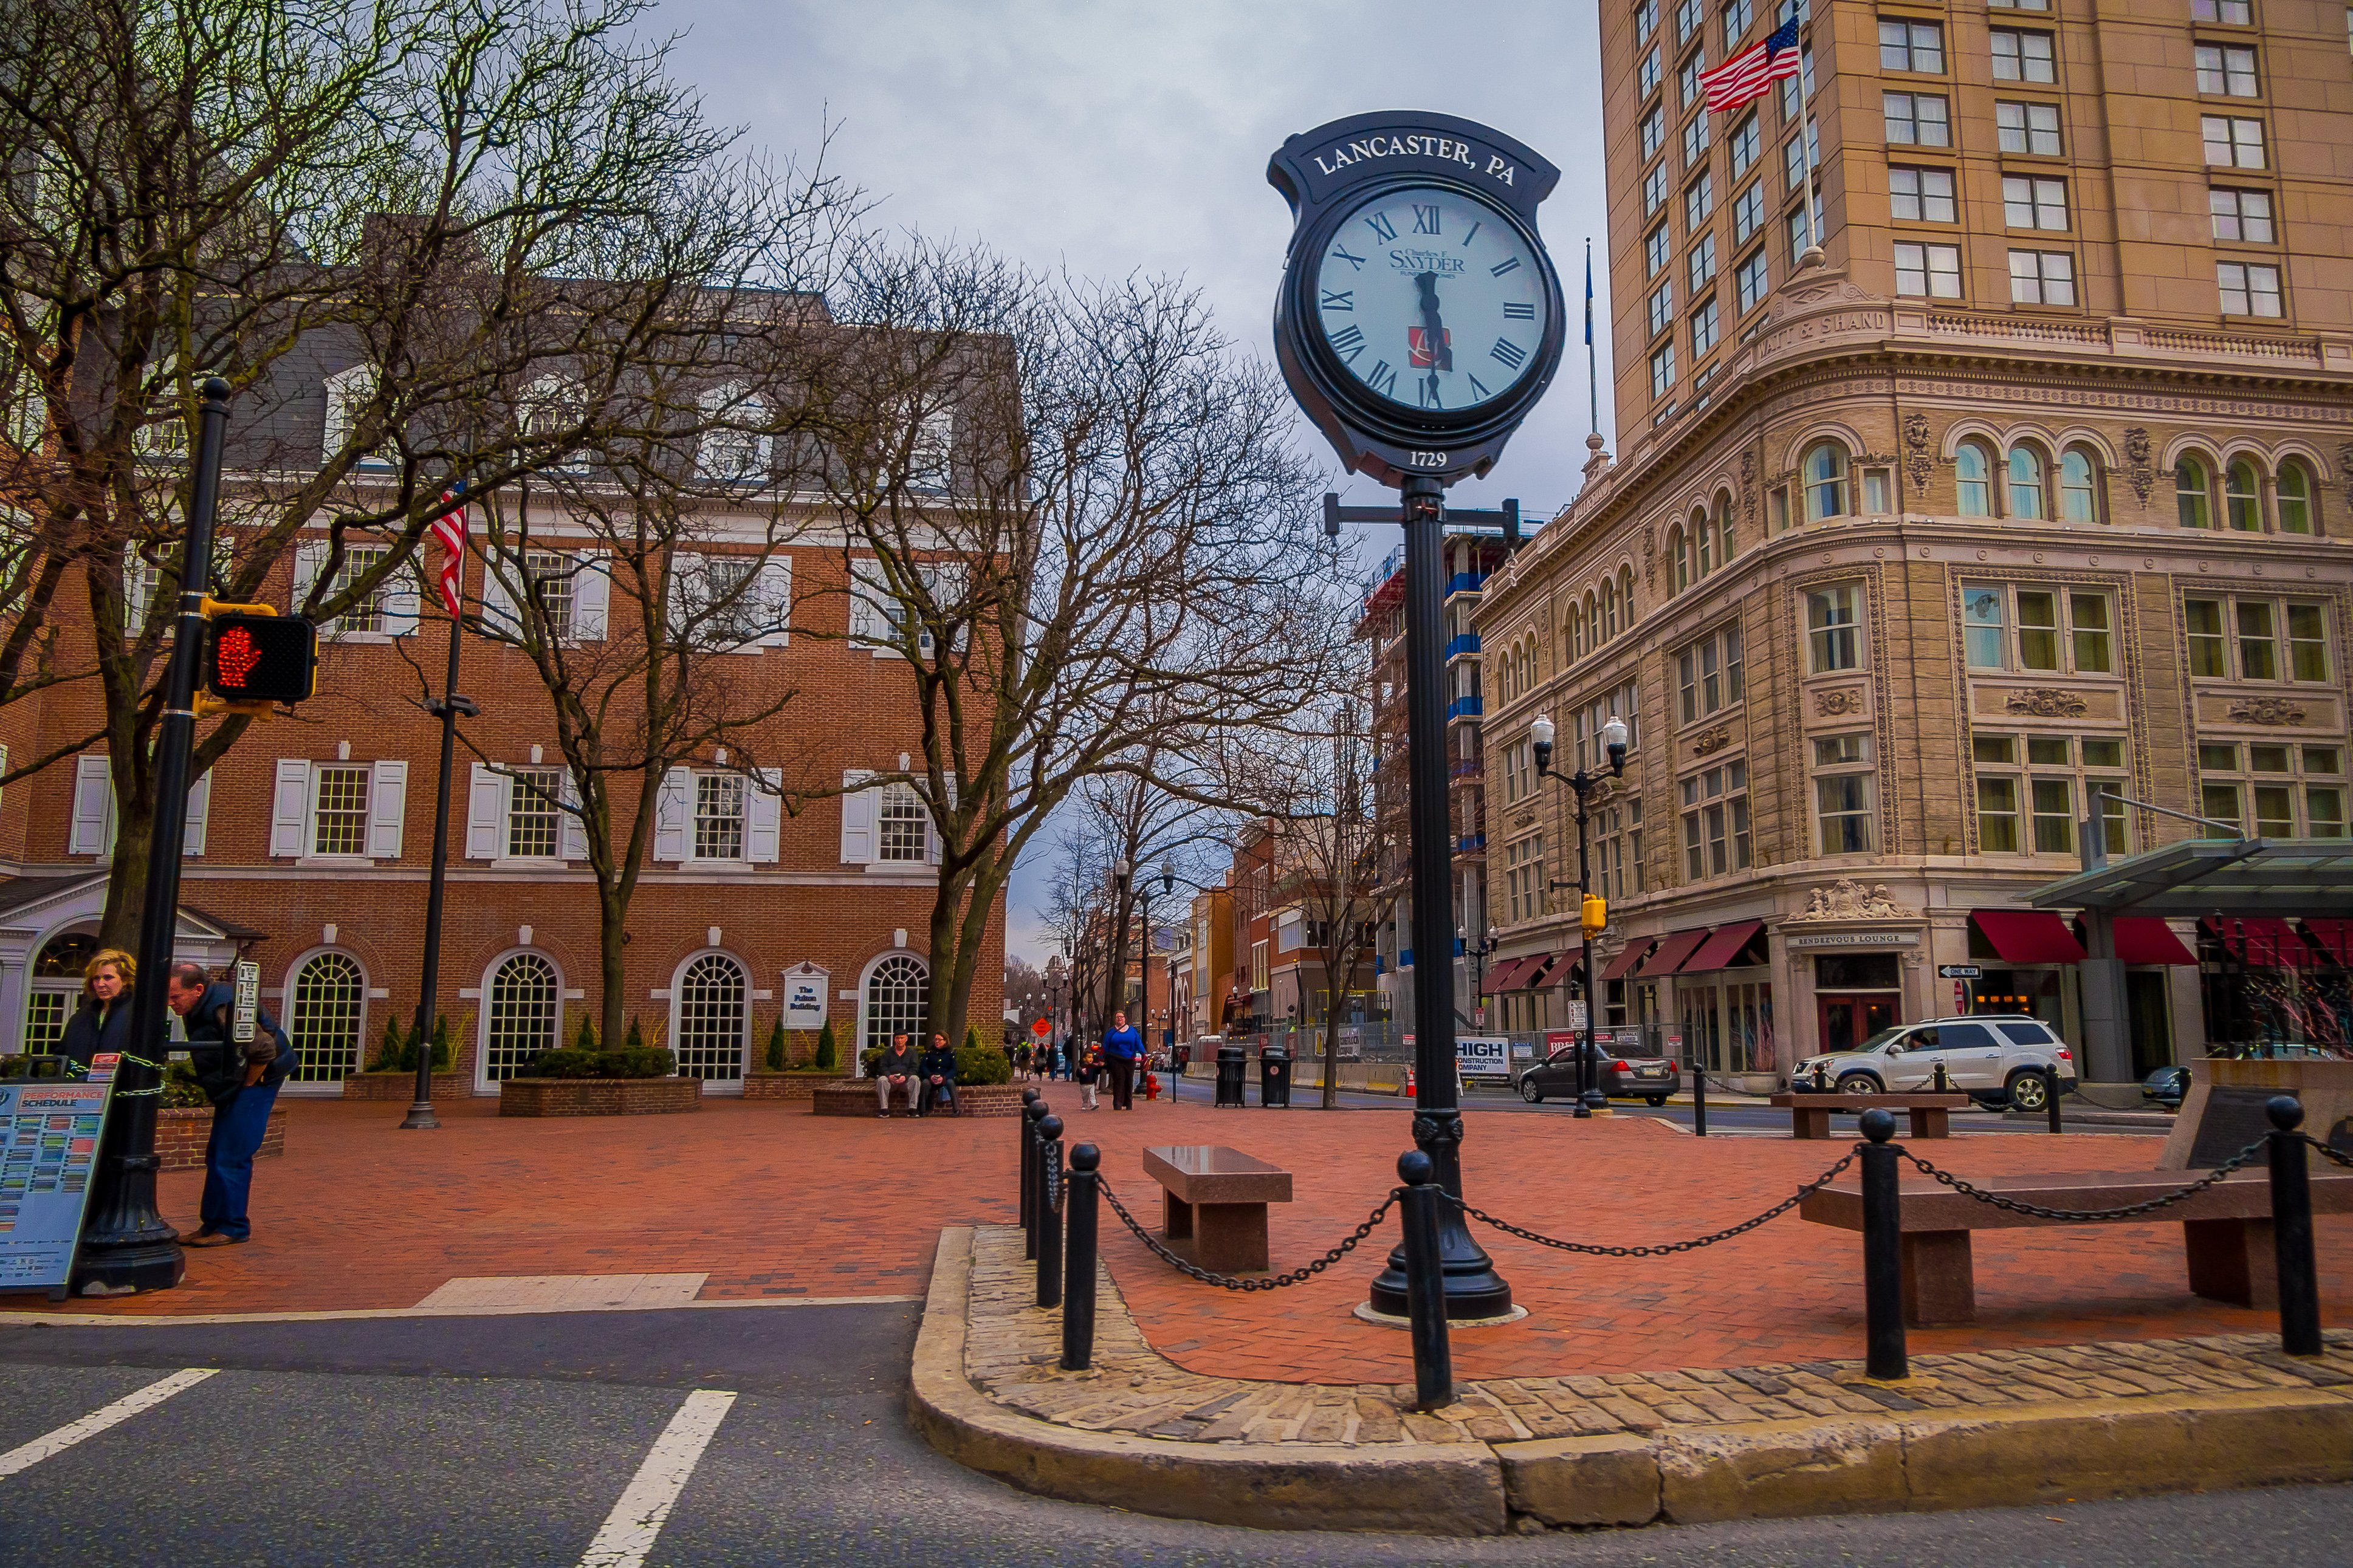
1593	633
2243	498
2026	483
1703	540
1825	473
1609	609
323	1015
1678	559
1724	543
1575	633
2079	486
56	989
896	994
2192	494
711	1018
524	999
2295	498
1973	479
1625	594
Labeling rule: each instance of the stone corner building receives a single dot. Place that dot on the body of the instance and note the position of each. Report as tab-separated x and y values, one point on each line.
2037	481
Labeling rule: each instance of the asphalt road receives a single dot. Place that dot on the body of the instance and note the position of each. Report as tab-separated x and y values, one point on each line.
1722	1116
509	1441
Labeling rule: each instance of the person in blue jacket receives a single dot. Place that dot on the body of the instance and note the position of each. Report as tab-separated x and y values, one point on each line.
242	1082
1121	1046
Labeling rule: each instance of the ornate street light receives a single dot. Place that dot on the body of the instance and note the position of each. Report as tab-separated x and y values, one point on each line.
1590	918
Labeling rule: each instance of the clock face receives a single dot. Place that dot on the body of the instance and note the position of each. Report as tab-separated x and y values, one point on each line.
1431	299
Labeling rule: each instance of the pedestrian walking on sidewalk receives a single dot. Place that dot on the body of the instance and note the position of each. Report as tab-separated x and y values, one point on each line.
1089	1073
103	1023
241	1079
1122	1047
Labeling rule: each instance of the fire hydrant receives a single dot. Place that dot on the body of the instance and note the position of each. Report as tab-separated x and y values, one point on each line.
1152	1086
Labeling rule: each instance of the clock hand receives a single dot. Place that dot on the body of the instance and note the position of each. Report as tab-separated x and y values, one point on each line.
1441	355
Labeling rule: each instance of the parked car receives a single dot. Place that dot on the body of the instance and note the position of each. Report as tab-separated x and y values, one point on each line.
1997	1059
2167	1086
1621	1077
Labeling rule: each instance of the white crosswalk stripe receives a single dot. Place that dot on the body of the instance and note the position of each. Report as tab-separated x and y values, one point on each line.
99	1420
630	1529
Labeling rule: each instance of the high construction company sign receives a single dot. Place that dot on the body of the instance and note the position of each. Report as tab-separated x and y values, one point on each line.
50	1130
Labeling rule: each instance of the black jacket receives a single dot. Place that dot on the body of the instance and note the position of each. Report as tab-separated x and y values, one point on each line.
939	1064
93	1030
896	1063
219	1061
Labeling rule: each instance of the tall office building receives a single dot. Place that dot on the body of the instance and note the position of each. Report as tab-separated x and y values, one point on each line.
2013	468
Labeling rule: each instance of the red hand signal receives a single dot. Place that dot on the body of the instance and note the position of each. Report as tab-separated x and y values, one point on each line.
236	656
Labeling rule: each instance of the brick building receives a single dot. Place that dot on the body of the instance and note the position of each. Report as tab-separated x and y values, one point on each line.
309	844
2036	481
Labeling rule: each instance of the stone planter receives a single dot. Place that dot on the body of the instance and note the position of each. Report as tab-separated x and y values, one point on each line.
181	1132
855	1097
402	1086
794	1086
599	1096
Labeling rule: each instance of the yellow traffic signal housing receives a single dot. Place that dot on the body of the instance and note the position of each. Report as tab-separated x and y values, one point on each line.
1596	914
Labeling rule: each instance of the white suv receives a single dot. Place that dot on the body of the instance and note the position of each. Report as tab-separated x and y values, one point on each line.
1996	1057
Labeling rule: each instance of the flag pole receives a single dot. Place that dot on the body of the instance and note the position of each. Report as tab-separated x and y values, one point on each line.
447	706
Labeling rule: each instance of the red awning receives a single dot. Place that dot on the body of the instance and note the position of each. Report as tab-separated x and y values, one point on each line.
2029	936
2261	941
1628	957
1505	975
1719	950
1557	971
2143	940
2334	936
1671	951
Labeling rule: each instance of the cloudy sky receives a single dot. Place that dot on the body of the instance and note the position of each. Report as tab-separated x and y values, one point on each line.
1113	137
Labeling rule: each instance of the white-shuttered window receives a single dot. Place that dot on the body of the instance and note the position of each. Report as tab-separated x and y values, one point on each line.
339	811
534	819
719	817
906	825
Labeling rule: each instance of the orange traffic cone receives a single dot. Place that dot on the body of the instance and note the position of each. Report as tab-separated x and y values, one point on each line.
1408	1090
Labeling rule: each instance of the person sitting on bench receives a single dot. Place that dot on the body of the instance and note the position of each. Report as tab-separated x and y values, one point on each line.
897	1068
937	1083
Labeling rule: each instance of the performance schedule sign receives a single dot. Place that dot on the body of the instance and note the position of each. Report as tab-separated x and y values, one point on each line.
51	1129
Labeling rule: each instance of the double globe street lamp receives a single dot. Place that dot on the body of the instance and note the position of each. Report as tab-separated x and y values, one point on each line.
1593	913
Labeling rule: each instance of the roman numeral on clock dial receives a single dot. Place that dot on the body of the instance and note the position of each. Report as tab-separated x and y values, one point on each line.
1517	311
1383	380
1425	218
1508	353
1379	224
1348	342
1345	300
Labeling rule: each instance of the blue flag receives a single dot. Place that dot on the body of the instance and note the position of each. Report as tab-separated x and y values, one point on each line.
1589	293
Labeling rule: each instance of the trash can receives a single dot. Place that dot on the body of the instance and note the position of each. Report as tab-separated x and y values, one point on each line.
1274	1078
1232	1062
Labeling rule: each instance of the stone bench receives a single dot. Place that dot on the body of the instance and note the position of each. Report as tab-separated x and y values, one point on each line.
2226	1229
1217	1198
1927	1115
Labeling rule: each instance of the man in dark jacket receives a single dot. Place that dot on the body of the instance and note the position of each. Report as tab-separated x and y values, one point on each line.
241	1081
938	1072
898	1068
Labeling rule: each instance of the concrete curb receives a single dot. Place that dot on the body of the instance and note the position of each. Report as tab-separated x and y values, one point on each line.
1425	1488
1898	1461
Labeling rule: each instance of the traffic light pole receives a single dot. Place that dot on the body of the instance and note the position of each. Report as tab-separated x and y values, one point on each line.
420	1116
126	1246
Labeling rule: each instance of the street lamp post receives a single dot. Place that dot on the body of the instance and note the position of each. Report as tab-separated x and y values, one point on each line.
1477	952
1583	782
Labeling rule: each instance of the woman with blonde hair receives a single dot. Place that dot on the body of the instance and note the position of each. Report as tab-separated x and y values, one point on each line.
103	1021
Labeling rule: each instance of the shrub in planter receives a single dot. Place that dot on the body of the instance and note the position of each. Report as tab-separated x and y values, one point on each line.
584	1037
980	1064
181	1090
642	1061
775	1057
828	1054
403	1059
868	1058
389	1048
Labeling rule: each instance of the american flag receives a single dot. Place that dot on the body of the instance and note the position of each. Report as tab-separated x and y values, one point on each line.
1744	78
450	530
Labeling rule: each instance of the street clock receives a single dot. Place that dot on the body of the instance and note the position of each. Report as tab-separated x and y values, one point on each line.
1419	318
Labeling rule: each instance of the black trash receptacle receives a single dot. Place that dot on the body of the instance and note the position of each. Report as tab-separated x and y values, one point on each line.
1274	1078
1232	1061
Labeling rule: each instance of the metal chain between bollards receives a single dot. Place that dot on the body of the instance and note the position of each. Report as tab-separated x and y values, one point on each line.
1666	1248
2039	1212
1308	1271
2328	1151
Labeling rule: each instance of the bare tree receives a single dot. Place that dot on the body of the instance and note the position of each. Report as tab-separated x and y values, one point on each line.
425	206
1079	518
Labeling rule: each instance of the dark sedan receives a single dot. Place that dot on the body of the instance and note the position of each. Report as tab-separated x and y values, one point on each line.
1621	1077
2167	1086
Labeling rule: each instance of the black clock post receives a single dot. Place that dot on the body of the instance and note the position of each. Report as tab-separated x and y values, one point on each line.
1415	244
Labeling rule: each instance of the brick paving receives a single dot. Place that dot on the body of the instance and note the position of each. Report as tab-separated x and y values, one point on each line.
1011	1351
769	1201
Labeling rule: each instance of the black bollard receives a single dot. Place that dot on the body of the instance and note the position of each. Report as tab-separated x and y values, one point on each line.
1944	1080
1079	1281
2299	1280
1425	1293
1050	1212
1021	1122
1031	1115
1883	1252
2050	1095
1699	1098
1821	1077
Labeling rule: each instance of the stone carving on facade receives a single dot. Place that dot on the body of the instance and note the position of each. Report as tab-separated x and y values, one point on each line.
2047	702
1839	703
1848	899
1917	462
1650	557
1748	488
2345	467
2266	711
1712	740
2142	478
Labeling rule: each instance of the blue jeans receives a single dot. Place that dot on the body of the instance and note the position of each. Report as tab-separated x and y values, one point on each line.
238	1129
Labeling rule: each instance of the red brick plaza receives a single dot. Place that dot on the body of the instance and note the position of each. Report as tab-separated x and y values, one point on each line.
770	1201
